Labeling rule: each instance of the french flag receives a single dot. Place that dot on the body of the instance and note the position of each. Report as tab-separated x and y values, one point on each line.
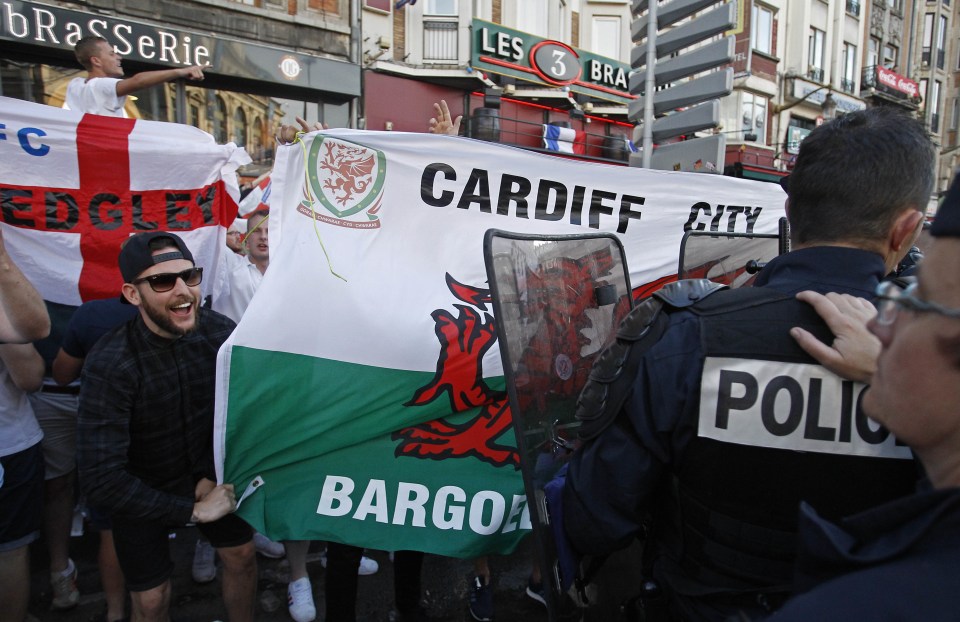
564	140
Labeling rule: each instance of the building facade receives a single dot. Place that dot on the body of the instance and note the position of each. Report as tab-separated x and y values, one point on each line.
264	60
510	67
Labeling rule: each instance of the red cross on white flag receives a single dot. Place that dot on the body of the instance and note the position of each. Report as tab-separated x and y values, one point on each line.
73	187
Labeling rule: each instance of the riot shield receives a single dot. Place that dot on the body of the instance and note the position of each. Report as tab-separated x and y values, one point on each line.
732	259
557	302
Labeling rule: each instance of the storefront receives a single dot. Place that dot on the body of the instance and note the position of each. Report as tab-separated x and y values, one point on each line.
248	89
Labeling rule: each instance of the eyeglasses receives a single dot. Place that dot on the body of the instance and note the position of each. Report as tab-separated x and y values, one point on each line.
166	281
890	297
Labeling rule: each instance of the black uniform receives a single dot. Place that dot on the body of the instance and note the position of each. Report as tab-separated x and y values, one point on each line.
727	427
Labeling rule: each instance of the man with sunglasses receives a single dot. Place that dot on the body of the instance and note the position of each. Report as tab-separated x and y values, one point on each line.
145	431
711	425
897	561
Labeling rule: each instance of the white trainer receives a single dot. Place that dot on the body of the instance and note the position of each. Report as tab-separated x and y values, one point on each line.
300	600
65	593
204	564
368	566
267	547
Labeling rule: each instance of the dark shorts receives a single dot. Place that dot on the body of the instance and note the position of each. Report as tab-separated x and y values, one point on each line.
99	519
143	547
21	498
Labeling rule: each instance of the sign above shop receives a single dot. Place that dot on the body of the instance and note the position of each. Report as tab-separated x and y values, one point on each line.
523	56
892	81
47	26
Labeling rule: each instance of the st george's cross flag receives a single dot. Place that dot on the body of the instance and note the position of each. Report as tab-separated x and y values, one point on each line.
361	398
258	198
73	186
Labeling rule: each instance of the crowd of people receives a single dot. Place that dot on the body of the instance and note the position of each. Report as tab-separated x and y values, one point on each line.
728	434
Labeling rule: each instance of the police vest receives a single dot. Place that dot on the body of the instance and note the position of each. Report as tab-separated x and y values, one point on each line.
774	428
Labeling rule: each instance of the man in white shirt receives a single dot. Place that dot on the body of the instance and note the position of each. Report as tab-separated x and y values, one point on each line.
244	274
105	90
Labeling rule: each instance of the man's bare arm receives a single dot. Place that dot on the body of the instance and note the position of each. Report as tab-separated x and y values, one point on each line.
854	352
24	364
23	316
146	79
66	368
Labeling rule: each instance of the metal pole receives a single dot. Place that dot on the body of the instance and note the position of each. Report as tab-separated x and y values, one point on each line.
650	84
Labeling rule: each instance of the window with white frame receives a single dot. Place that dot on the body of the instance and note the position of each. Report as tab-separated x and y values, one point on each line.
605	35
873	52
849	67
890	55
955	116
441	7
532	17
927	39
754	120
933	111
941	41
482	9
761	29
440	31
815	54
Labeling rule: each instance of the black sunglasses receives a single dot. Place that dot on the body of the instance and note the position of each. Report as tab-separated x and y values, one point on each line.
166	281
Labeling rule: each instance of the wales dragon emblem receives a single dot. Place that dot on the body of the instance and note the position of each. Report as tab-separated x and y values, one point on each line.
346	180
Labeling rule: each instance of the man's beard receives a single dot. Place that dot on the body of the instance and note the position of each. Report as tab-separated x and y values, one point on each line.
160	317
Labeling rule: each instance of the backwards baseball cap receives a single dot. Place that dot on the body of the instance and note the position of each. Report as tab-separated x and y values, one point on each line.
136	255
947	222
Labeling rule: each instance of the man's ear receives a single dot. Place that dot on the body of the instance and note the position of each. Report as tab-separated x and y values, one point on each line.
905	230
131	293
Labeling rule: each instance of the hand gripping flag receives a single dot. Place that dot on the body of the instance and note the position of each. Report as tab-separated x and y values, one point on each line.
361	398
74	186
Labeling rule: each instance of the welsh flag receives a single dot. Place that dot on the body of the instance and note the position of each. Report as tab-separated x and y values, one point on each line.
74	186
361	398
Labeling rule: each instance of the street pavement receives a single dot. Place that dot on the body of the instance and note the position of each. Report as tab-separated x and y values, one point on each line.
446	585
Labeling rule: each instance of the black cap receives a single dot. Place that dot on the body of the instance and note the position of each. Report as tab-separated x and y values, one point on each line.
136	256
947	222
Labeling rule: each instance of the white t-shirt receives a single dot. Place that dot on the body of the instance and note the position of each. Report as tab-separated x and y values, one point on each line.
95	96
243	279
18	425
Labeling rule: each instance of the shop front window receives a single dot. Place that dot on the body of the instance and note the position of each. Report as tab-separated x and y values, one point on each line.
245	118
240	127
219	119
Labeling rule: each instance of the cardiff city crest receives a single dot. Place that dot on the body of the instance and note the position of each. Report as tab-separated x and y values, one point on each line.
344	183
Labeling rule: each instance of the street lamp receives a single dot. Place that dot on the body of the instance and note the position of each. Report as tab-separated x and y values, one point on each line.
829	104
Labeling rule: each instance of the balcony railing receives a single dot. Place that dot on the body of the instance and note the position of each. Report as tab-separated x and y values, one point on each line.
440	41
487	124
847	86
815	74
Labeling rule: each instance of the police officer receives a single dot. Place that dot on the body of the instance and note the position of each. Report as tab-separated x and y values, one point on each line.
708	418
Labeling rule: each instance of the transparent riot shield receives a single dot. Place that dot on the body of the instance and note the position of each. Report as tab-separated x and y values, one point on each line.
557	302
732	259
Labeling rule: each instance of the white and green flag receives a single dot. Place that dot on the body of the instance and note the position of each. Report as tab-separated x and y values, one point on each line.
361	398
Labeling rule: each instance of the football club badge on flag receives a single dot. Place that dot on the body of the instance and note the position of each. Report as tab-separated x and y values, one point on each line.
346	179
